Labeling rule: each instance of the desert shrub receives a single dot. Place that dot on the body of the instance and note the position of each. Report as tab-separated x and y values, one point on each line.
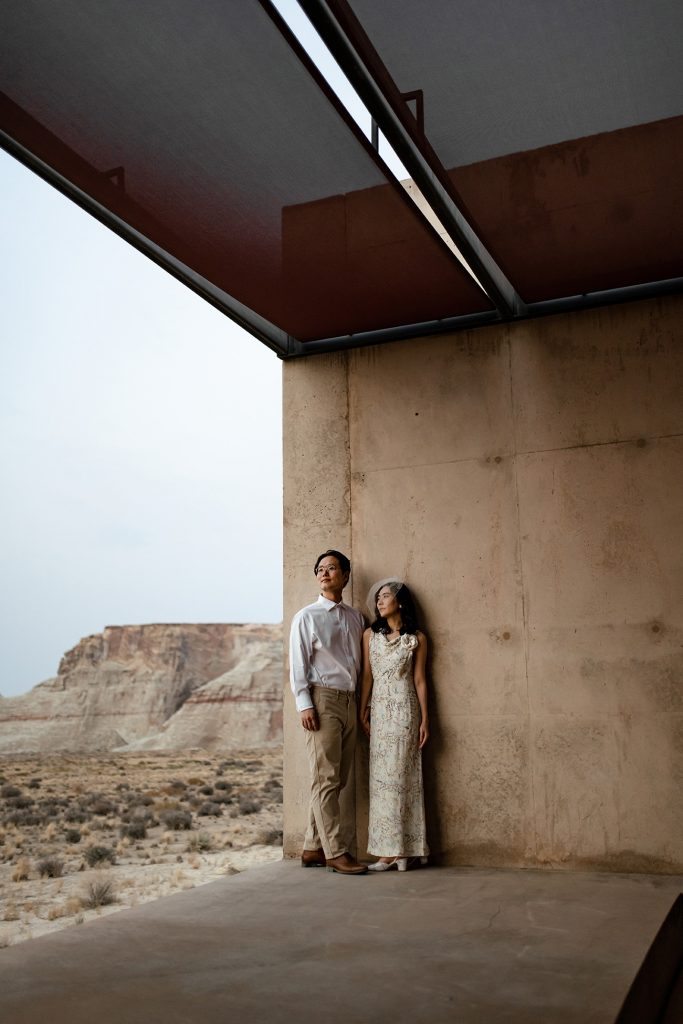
223	798
50	807
200	842
248	805
272	790
75	813
209	809
194	781
143	814
176	785
21	801
206	790
99	894
50	867
24	818
176	820
34	783
226	787
72	835
146	799
270	837
8	790
168	805
21	870
149	820
100	805
134	830
98	855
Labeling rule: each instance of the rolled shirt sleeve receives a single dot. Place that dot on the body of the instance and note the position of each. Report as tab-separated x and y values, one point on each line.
300	649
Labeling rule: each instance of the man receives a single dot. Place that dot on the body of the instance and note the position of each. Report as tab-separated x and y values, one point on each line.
325	661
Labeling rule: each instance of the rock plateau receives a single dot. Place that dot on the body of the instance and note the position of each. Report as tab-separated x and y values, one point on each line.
155	687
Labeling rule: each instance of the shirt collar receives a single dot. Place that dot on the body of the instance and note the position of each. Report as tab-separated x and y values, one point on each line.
327	604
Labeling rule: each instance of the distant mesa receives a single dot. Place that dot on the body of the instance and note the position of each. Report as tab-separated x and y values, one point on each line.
155	687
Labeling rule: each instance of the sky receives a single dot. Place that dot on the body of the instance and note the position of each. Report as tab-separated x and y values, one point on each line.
140	433
140	442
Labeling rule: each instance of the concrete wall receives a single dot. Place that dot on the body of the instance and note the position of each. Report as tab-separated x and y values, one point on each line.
527	481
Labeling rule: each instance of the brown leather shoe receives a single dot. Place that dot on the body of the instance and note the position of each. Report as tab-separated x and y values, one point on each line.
313	858
346	865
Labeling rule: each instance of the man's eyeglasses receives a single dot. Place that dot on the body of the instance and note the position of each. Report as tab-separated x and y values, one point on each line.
326	568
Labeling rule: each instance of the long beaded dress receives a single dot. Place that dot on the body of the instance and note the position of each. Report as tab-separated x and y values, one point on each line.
397	818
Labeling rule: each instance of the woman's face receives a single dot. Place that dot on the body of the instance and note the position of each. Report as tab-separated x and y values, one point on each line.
386	602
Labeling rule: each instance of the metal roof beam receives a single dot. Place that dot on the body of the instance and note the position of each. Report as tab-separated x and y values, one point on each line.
353	51
470	321
274	337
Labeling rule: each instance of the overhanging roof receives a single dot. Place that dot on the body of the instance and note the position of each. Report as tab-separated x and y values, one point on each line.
551	152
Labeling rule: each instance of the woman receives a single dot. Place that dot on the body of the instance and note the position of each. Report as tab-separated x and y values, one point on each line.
394	659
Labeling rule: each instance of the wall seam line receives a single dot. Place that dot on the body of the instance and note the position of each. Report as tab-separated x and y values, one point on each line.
525	625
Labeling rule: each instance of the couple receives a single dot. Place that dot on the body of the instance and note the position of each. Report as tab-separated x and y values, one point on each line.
330	653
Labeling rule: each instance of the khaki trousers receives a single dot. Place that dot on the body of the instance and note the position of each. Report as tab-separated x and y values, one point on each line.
330	754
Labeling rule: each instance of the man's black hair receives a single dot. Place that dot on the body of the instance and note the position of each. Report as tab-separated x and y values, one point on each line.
344	563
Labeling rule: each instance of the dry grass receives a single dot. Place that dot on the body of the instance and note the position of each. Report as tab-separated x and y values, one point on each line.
156	824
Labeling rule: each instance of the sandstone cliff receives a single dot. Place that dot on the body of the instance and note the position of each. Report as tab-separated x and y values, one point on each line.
155	687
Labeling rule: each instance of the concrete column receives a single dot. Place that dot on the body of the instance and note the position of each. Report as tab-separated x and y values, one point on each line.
317	515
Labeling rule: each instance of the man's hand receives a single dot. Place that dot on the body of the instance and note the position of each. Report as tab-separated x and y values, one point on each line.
309	720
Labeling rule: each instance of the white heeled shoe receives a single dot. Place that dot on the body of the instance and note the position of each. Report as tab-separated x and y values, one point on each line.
400	863
386	865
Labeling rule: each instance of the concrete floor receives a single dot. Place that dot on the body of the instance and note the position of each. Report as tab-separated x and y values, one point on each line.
282	944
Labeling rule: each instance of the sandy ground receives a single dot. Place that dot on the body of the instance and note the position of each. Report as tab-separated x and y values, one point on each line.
87	835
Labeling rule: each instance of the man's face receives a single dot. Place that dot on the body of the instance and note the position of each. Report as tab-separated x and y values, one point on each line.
331	579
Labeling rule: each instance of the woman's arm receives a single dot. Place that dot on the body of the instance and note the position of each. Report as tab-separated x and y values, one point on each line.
420	681
366	684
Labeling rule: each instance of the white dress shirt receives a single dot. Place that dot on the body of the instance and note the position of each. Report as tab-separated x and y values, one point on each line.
324	649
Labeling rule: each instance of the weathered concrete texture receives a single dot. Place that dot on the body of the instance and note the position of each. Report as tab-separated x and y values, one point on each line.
278	944
528	482
317	516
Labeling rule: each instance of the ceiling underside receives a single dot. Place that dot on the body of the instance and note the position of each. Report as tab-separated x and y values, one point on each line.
551	150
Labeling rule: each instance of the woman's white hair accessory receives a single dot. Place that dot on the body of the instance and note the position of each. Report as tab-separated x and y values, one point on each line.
389	581
408	640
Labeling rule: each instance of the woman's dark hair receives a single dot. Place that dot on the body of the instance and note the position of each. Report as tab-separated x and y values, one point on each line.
344	563
408	613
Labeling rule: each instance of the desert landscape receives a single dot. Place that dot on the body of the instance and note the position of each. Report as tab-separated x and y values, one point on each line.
158	686
83	835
